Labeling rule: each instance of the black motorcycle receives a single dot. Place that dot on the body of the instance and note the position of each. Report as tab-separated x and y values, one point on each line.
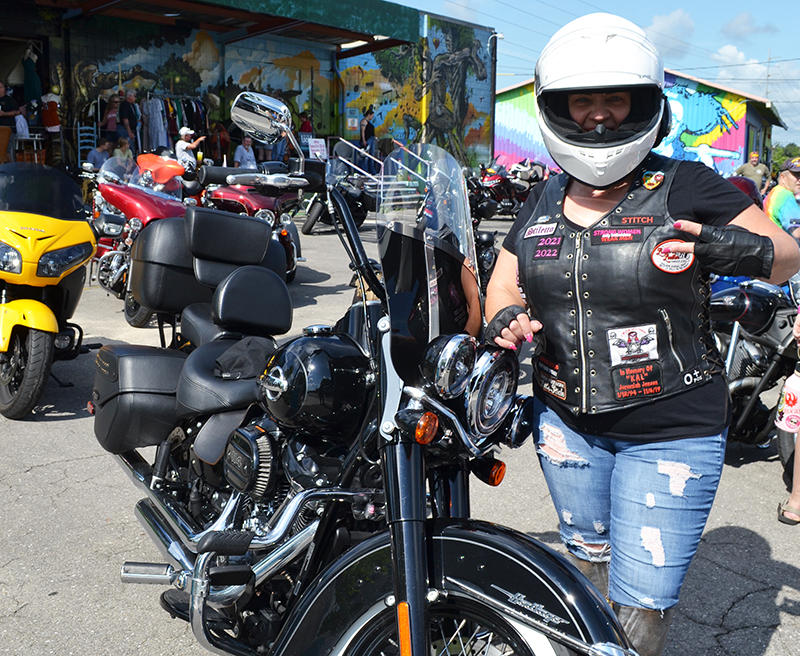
482	206
752	324
360	200
313	498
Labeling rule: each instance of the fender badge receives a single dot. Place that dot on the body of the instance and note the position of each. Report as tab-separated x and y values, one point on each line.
671	262
652	179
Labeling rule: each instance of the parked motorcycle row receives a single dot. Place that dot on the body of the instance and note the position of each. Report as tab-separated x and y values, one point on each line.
313	497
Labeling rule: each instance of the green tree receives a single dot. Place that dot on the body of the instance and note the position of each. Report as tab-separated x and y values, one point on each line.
177	77
396	64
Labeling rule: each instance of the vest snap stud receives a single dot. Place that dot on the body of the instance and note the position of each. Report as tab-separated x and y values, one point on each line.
594	391
593	372
591	354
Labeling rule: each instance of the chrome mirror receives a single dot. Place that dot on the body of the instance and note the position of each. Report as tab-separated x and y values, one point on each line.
265	119
260	116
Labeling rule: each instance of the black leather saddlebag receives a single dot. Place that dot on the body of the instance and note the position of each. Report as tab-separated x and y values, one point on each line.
162	272
134	395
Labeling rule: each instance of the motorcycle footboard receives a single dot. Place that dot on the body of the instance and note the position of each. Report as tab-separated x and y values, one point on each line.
533	587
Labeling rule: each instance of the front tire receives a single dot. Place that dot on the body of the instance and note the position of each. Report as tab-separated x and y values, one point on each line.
136	315
461	627
24	370
312	216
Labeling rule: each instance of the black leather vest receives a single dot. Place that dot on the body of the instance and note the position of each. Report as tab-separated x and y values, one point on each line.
624	322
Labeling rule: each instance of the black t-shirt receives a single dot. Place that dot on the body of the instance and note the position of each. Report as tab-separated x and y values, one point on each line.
697	194
127	110
8	104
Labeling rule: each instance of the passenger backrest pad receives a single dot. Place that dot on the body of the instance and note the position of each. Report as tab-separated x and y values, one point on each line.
254	301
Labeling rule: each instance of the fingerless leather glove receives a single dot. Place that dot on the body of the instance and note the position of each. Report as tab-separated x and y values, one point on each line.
734	251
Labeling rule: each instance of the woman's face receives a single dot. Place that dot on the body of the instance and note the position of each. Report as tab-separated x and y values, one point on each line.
591	109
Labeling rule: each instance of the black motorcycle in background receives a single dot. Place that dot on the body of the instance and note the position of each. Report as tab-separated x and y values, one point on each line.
313	498
482	206
752	323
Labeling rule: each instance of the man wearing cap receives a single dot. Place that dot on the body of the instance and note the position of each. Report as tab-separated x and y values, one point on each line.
757	172
781	204
184	149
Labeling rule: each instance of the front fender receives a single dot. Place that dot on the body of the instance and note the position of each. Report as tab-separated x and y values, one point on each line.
517	576
28	313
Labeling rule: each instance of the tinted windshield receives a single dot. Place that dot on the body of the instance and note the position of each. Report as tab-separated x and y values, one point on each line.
427	252
157	175
39	189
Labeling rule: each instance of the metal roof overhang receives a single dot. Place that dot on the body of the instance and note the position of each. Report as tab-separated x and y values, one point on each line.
378	24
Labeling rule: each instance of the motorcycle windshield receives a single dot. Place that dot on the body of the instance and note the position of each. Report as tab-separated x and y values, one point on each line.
427	251
153	174
39	189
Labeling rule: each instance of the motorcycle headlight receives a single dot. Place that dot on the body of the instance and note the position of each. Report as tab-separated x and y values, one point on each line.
135	224
491	390
448	363
10	259
55	263
486	259
266	215
285	219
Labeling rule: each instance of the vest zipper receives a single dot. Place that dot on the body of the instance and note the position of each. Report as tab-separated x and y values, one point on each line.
581	336
668	324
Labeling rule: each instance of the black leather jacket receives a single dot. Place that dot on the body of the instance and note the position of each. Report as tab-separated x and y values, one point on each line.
624	322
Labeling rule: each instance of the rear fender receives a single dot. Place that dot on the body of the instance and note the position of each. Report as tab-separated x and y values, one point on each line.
28	313
532	585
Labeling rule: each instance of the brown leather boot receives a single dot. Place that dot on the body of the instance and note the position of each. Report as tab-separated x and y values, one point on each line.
597	573
646	629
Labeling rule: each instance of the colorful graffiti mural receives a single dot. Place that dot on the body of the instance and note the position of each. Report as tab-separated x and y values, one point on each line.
517	135
436	91
708	125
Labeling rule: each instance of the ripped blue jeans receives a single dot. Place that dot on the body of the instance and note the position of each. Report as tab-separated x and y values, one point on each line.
640	506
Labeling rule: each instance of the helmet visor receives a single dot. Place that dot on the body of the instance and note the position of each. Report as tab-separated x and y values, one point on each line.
646	107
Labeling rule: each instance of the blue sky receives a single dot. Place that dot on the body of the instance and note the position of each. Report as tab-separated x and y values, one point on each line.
740	45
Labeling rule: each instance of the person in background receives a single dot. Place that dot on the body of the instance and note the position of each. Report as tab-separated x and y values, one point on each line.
367	141
305	123
98	156
123	149
780	205
611	258
756	171
279	148
244	157
109	122
128	118
789	510
9	109
185	147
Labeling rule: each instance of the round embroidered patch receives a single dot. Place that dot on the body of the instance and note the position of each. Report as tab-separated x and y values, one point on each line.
671	262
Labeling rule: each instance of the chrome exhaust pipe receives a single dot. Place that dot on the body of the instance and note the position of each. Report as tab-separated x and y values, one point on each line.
163	536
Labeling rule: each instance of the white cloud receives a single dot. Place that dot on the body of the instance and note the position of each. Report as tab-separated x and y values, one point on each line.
743	25
671	33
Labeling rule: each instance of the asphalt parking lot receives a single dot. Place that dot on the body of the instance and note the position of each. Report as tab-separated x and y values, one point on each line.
66	521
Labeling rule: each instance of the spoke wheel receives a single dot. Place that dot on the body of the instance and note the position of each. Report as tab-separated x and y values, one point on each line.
24	370
463	629
136	315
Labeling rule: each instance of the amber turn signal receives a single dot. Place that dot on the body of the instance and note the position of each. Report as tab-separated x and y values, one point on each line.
426	428
489	470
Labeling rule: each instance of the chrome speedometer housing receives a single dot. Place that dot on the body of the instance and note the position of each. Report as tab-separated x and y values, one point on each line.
448	363
491	390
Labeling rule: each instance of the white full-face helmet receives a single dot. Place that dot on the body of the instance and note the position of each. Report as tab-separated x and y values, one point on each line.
598	53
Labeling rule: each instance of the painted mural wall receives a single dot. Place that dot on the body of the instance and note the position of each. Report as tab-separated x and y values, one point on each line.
435	91
708	125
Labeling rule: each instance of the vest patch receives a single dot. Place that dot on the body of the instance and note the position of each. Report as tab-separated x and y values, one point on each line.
671	262
618	220
540	230
547	377
633	344
616	235
652	179
637	380
548	248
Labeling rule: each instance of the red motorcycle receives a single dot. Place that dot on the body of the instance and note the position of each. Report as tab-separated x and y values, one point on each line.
131	195
255	199
510	188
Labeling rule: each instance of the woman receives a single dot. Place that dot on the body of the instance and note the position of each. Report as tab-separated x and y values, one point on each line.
123	149
109	122
613	257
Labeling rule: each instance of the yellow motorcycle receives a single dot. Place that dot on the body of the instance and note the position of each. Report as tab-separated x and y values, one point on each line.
45	243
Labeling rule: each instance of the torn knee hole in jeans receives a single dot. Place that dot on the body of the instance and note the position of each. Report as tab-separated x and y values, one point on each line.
553	446
595	552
